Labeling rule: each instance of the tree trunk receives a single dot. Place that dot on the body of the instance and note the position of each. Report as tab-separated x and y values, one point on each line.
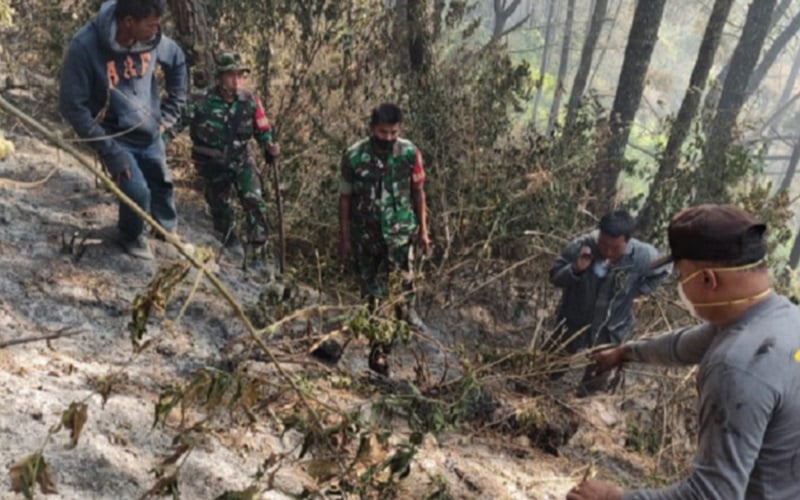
772	54
602	54
548	30
711	182
786	99
563	65
668	165
711	102
585	65
502	13
641	41
794	256
419	50
194	35
786	182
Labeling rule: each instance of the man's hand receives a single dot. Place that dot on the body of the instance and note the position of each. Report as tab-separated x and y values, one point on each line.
125	175
594	490
607	359
345	252
118	165
584	260
424	243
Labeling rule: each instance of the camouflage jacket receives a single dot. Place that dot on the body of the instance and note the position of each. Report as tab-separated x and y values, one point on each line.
209	118
382	209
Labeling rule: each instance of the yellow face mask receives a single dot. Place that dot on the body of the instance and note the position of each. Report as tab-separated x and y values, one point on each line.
752	298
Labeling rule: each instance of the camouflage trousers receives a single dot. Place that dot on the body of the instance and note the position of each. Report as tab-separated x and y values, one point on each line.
244	181
385	272
382	268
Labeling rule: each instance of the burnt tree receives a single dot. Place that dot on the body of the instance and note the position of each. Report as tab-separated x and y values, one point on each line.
641	41
713	177
664	181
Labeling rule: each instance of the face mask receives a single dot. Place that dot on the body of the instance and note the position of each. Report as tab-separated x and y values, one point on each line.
692	306
687	304
600	268
383	144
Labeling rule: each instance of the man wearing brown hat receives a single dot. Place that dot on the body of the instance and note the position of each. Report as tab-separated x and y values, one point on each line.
748	352
222	121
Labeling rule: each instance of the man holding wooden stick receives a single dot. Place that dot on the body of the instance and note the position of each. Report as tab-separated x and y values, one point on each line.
222	120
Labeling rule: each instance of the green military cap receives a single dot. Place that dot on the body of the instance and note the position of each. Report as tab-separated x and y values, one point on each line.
229	61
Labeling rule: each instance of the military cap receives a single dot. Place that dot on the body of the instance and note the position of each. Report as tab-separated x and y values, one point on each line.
229	61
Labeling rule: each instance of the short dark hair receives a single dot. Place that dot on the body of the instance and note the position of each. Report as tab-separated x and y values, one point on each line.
617	223
138	9
388	113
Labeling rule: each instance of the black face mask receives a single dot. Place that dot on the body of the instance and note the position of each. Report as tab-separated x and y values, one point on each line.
383	144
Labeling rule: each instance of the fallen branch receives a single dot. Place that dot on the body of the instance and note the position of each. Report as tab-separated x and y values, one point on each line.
64	332
56	139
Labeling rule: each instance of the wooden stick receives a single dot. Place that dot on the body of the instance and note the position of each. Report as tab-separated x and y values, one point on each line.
64	332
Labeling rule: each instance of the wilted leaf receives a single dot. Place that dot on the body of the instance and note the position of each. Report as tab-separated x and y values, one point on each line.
154	300
167	400
104	386
29	471
322	470
74	418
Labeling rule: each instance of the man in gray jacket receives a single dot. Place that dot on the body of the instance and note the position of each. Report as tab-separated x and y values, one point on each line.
600	274
748	351
110	96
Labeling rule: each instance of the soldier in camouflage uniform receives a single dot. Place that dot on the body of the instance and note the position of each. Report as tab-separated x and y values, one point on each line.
222	120
382	212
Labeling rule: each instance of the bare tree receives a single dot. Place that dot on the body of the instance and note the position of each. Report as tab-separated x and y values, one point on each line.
794	256
563	65
548	30
641	41
791	169
711	179
419	38
503	11
605	45
585	64
711	100
668	165
194	34
772	53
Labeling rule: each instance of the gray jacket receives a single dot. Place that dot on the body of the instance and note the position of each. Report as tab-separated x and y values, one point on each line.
748	383
602	305
110	94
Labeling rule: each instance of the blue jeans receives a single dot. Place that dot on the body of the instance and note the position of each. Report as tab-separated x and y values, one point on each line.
150	186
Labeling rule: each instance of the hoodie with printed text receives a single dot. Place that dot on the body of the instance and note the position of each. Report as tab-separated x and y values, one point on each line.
109	93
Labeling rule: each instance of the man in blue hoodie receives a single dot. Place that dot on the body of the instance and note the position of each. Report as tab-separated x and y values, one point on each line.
110	96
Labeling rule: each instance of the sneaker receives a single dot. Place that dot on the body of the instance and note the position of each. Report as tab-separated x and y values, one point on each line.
137	247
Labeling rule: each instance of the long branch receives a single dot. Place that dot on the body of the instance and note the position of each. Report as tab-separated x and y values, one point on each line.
58	140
